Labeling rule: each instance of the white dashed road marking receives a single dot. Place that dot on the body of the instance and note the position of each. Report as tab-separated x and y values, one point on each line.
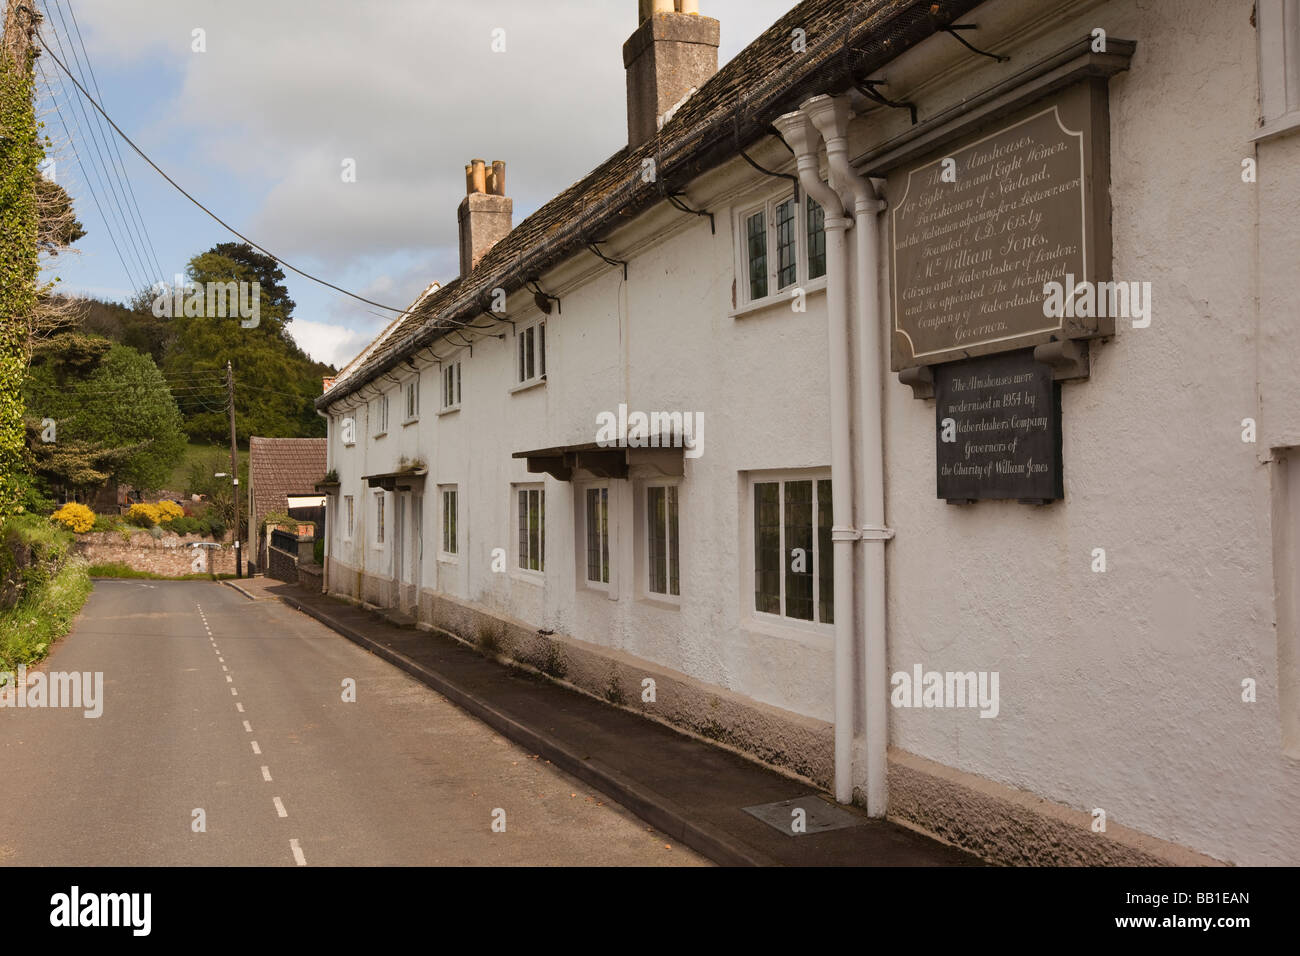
279	807
266	774
256	749
297	853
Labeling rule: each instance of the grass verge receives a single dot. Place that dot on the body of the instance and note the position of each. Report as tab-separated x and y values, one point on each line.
117	569
30	627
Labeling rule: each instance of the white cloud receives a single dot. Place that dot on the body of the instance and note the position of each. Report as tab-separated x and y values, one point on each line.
410	89
332	344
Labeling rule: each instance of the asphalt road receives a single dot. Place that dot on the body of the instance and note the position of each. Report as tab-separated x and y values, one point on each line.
232	707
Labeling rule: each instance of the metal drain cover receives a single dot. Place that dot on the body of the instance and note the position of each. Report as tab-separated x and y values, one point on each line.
818	816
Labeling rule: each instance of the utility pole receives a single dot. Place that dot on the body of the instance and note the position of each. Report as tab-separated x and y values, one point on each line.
234	465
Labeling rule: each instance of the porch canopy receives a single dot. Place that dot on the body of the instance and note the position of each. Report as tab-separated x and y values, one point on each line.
604	461
402	480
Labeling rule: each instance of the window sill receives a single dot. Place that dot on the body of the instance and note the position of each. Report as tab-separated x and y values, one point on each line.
821	636
411	421
380	434
663	601
815	287
1277	126
531	383
450	409
537	578
445	558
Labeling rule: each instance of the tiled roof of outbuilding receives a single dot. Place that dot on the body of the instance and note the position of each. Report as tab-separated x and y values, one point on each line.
844	42
279	467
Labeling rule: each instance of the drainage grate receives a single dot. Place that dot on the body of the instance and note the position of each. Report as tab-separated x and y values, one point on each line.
818	816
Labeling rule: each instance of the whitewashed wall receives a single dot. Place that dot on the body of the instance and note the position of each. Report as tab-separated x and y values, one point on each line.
1119	690
1122	690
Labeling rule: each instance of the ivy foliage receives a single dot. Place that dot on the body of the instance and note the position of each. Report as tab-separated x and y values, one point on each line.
20	155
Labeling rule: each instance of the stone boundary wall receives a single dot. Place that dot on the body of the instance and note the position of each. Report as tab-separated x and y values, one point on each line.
170	555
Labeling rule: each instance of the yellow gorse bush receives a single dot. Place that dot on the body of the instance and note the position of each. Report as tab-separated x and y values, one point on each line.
146	512
167	510
75	517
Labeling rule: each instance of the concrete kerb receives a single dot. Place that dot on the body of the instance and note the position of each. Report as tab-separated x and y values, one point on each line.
653	808
232	584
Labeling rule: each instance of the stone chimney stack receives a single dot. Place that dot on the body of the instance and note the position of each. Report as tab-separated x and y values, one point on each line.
671	53
485	212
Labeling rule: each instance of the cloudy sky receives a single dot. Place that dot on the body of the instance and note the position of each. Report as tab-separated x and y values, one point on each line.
259	125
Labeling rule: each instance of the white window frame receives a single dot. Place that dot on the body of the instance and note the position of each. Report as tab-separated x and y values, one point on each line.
344	430
443	554
1277	29
451	369
535	574
411	390
645	519
781	621
768	206
610	517
530	337
349	511
380	518
379	416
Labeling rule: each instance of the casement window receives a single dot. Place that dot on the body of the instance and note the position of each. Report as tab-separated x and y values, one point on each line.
793	563
596	523
662	550
783	245
379	517
348	431
412	400
449	514
450	386
379	416
530	354
347	517
531	514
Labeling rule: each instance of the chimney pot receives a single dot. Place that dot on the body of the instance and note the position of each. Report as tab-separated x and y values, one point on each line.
485	212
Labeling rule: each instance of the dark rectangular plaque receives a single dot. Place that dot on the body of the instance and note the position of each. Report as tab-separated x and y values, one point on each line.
979	228
998	429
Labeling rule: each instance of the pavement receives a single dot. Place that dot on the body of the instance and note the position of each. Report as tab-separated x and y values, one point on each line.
225	739
691	790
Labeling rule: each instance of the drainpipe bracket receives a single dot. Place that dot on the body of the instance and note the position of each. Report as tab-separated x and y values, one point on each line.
874	532
840	533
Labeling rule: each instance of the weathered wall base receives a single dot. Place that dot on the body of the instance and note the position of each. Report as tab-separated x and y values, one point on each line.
1013	827
789	741
993	821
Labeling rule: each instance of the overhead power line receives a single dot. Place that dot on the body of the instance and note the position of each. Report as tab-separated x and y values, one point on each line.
89	187
126	179
306	275
112	189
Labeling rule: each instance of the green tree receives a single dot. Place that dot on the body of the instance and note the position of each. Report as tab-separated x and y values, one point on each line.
113	415
275	381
